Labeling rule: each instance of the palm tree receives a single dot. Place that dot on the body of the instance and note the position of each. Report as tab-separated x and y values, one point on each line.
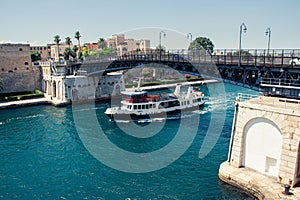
101	43
68	42
77	37
68	52
57	41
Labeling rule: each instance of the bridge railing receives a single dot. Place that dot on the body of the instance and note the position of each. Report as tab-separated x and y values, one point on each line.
256	57
280	82
251	57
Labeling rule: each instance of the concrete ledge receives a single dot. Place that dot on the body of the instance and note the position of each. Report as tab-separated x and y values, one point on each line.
255	183
22	103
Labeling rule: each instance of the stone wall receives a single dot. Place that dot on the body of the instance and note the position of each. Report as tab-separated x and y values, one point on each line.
286	116
20	82
16	70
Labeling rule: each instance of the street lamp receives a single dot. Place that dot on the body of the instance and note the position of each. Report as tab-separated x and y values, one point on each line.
242	28
190	36
164	34
268	33
160	47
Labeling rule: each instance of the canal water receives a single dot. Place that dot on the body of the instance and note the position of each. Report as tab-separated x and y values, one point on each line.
42	156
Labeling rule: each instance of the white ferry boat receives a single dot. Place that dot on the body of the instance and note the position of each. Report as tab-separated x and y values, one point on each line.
139	104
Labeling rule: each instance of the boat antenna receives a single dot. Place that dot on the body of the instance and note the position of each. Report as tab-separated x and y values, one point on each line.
139	84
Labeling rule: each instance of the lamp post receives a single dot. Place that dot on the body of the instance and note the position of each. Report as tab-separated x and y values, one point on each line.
190	36
268	33
160	47
160	33
242	28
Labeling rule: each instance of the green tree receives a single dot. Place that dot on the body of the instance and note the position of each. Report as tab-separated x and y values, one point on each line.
57	41
77	37
244	53
160	48
101	43
84	51
202	43
74	51
35	56
67	53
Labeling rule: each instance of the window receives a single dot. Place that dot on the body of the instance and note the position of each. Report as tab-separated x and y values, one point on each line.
26	63
139	107
143	106
135	107
20	49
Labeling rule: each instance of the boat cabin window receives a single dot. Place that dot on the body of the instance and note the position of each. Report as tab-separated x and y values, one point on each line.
139	107
134	107
169	104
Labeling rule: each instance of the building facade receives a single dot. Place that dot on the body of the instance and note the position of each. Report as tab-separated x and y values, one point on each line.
124	46
62	86
16	69
57	52
133	45
44	51
115	40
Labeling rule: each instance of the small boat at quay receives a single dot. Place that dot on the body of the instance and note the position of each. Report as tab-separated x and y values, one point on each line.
140	104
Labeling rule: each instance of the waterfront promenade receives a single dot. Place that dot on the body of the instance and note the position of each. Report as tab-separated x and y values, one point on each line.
43	101
21	103
257	184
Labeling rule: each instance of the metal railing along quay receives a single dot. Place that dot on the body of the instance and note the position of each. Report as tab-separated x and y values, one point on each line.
276	102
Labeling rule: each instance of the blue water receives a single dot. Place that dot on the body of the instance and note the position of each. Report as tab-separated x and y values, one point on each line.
42	156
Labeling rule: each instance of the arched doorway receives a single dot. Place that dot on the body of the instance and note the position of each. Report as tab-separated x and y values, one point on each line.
75	95
98	92
262	146
54	89
59	90
117	90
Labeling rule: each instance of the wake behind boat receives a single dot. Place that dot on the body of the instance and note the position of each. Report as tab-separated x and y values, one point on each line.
139	104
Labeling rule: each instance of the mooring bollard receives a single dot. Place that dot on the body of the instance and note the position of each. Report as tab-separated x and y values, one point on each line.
286	189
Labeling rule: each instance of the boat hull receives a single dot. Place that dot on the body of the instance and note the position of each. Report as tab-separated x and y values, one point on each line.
131	116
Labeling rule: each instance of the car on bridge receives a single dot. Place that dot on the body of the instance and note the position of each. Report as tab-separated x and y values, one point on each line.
180	57
141	56
295	61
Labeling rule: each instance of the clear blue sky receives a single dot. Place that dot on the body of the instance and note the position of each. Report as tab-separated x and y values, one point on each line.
37	21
